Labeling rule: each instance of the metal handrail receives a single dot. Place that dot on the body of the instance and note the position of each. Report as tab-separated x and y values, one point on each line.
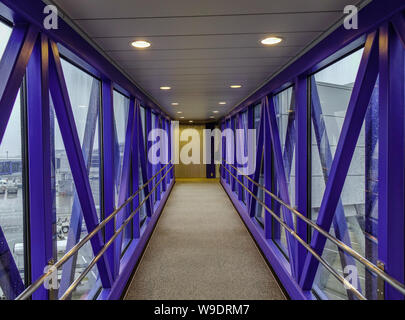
35	285
368	264
73	286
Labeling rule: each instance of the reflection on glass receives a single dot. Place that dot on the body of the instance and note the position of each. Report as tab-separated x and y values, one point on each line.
121	110
84	94
5	32
356	216
259	213
11	201
284	105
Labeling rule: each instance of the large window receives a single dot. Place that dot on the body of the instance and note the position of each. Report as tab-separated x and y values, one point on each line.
121	111
12	201
259	213
356	217
84	94
284	105
11	194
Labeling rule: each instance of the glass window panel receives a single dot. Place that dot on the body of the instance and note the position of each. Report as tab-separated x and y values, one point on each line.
284	104
84	94
5	32
259	213
358	205
121	111
11	195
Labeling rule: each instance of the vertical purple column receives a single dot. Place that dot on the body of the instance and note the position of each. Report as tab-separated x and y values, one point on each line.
268	180
391	207
108	163
239	125
301	165
135	172
39	159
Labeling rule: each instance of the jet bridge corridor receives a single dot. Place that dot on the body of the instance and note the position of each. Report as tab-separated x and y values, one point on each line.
202	150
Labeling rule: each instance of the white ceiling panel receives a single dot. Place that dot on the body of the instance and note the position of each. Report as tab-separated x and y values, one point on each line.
199	48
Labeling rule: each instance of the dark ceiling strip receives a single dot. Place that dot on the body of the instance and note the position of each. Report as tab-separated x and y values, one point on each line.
209	34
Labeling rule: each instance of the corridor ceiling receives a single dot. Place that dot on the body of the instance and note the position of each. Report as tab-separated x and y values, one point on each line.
201	47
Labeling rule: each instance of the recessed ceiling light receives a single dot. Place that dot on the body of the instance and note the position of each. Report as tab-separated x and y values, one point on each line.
175	103
222	102
179	112
181	117
236	86
215	111
271	40
165	88
141	44
191	121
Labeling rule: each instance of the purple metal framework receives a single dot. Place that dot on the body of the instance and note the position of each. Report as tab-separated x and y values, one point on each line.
377	100
35	52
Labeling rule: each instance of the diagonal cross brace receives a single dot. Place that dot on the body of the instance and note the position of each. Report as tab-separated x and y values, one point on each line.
74	153
325	155
359	101
280	173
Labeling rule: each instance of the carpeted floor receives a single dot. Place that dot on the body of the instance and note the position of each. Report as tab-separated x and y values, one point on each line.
201	250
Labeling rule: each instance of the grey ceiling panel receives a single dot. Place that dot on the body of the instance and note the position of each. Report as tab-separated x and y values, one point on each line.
300	22
199	48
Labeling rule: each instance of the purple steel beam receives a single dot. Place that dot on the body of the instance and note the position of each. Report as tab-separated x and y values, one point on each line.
281	178
76	219
70	137
301	167
359	100
144	164
239	125
39	162
157	166
288	152
326	159
148	122
124	184
233	182
135	172
268	179
164	147
13	65
12	69
108	164
371	193
398	21
391	224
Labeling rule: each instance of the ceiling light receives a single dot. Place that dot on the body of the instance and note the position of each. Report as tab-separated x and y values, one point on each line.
222	103
179	112
236	86
215	111
191	121
271	40
140	44
165	88
175	103
181	117
212	117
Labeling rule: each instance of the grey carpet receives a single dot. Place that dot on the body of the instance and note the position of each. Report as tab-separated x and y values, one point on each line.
201	250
